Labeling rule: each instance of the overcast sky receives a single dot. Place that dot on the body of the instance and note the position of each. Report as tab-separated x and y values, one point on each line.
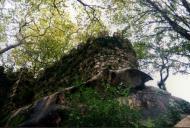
178	85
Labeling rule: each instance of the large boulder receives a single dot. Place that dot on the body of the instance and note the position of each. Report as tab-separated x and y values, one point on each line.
101	62
43	112
184	123
133	78
154	102
86	61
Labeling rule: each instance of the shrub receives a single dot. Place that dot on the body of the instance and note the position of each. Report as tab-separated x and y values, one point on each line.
90	109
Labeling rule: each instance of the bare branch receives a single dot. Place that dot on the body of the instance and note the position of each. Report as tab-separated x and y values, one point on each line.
182	31
10	47
91	6
186	5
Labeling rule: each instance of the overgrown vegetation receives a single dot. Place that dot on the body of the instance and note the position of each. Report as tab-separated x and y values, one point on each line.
90	109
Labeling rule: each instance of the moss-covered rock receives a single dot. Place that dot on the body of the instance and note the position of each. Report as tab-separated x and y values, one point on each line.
87	60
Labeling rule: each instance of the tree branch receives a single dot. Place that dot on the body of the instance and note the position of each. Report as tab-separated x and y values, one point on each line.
183	32
186	5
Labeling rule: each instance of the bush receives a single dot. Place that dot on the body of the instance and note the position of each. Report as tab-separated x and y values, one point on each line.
90	109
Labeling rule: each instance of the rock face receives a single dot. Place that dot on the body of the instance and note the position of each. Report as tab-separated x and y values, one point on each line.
125	77
43	112
87	60
155	102
129	77
184	123
152	102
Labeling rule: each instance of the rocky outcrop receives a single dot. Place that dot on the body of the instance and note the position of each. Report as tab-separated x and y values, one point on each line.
184	123
43	112
86	61
154	103
133	78
100	64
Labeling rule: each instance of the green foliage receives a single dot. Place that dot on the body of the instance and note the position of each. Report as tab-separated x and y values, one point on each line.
164	121
2	33
41	54
91	110
116	91
47	39
4	117
181	49
141	49
52	33
17	120
149	123
161	122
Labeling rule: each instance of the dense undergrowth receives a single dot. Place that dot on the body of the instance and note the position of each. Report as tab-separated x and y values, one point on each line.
89	108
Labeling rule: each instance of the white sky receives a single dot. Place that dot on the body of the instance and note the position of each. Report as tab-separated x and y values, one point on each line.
178	85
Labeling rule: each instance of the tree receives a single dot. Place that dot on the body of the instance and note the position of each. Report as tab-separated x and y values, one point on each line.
50	36
24	14
148	20
160	57
170	12
164	69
